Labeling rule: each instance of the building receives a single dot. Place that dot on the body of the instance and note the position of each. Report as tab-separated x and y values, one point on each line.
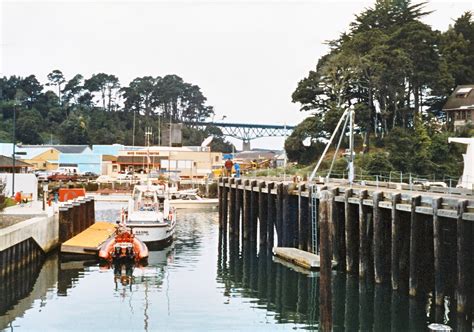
6	165
63	148
186	162
85	162
459	107
40	158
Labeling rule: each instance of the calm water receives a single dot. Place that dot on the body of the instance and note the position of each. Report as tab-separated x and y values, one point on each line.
196	284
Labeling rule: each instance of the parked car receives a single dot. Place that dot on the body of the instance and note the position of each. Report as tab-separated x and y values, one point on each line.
63	177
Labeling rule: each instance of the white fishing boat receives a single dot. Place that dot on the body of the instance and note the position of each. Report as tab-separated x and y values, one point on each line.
150	215
193	201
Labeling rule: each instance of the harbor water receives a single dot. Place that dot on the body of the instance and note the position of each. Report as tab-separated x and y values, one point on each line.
200	283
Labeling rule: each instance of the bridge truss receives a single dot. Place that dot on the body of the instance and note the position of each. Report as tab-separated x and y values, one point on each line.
247	132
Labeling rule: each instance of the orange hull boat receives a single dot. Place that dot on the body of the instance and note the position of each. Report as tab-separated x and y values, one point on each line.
123	246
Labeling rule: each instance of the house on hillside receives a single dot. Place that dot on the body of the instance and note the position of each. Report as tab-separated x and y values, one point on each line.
459	107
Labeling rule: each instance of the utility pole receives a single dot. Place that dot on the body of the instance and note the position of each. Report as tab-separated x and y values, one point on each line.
14	144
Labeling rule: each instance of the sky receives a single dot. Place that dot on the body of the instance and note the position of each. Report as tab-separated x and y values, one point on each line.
247	56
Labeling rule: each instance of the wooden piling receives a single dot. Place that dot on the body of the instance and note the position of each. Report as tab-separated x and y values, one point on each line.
414	246
335	229
271	214
75	218
246	212
363	236
302	219
262	214
253	211
63	224
285	225
219	197
351	234
325	304
438	253
231	206
279	214
238	207
461	260
396	242
378	238
225	201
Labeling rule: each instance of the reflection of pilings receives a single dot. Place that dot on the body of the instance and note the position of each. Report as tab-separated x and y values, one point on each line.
365	306
351	315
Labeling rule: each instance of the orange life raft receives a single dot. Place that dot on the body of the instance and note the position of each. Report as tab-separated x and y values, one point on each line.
123	246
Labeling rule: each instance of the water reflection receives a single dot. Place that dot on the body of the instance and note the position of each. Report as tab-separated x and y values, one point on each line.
293	294
204	281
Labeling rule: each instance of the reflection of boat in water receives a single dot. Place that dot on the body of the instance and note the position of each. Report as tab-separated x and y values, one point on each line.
150	215
123	246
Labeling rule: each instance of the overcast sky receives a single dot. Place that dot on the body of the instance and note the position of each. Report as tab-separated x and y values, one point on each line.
247	56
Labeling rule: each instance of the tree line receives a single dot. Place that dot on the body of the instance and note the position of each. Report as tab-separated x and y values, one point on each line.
396	72
99	110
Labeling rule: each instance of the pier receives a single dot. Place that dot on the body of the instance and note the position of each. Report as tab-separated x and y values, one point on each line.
413	241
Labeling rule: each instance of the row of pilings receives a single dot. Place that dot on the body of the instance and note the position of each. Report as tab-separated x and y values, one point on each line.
416	243
75	216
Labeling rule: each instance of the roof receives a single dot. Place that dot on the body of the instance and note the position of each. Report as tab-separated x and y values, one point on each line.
62	148
8	162
31	153
461	99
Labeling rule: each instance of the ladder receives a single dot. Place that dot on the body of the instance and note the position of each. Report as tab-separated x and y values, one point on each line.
314	219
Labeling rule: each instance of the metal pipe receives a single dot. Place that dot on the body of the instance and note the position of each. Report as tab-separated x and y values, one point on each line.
327	145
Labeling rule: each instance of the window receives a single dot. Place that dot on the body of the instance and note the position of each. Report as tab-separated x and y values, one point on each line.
463	92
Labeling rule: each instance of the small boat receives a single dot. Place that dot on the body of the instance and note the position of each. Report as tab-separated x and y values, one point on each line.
123	246
150	215
194	201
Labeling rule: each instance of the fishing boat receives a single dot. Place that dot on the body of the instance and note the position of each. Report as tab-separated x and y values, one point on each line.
150	215
123	246
192	200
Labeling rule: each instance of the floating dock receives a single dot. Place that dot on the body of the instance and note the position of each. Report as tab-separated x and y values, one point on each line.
298	257
88	241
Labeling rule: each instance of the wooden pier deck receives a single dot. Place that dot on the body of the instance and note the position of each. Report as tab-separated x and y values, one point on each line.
88	241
